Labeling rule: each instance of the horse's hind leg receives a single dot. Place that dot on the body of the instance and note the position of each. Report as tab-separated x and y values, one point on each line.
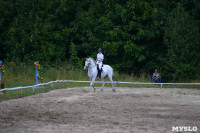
110	77
94	88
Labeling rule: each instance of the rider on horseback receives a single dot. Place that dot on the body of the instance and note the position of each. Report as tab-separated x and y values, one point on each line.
99	61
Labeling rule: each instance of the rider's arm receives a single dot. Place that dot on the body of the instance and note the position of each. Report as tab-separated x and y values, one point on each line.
100	60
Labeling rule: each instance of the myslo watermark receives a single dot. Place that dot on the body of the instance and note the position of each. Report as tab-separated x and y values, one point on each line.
184	129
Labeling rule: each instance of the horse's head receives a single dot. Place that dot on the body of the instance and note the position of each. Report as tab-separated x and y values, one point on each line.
87	63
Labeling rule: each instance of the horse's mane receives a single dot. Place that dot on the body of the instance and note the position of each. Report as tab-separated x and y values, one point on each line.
92	59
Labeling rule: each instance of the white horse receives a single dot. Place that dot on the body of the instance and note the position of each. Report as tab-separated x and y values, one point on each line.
92	73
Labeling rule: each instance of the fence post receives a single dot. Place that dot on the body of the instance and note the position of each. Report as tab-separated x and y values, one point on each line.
33	89
51	84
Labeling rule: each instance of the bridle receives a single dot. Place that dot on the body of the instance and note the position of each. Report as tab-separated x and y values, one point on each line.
92	66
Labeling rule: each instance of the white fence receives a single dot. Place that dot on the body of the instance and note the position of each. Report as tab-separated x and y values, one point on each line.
138	83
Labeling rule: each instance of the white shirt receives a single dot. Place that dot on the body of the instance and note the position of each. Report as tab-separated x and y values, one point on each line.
100	56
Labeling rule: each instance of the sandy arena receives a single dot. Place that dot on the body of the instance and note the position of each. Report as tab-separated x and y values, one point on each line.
77	110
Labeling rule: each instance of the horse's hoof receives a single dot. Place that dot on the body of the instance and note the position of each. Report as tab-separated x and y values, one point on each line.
114	90
94	89
101	90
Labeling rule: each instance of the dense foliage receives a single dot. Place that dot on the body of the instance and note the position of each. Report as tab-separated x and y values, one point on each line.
136	35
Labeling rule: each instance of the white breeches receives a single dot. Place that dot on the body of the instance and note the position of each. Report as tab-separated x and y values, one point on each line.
100	65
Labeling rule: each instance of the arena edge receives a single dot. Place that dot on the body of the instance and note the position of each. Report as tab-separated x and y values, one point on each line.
184	129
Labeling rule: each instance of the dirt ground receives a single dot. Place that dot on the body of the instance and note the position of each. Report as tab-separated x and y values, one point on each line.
77	110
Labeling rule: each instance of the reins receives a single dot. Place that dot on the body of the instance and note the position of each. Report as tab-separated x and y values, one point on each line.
94	63
93	66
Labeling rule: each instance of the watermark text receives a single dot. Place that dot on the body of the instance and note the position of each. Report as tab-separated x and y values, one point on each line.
184	129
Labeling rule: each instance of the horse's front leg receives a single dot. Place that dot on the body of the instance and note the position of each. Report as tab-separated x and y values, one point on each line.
103	80
92	83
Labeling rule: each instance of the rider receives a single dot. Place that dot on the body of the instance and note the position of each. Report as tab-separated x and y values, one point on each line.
99	61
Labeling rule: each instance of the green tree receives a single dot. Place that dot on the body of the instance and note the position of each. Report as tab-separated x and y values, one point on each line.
135	34
73	56
182	39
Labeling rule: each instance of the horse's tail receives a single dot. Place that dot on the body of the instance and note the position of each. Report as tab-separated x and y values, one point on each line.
115	78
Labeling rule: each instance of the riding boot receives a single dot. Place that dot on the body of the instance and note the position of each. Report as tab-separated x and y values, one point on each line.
97	70
99	73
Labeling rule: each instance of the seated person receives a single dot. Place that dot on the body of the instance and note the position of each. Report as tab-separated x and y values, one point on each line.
156	77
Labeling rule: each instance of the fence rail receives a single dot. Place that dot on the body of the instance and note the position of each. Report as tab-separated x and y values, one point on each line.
57	81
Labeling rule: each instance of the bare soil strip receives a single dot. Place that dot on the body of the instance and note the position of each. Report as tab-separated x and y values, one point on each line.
78	110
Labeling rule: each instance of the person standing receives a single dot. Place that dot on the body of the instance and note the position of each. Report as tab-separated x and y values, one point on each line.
99	61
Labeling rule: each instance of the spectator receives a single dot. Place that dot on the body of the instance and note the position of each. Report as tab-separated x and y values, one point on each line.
156	77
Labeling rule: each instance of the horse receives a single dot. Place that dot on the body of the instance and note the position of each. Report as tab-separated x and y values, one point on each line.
90	63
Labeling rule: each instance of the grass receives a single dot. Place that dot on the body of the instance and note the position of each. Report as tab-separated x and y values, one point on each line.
24	75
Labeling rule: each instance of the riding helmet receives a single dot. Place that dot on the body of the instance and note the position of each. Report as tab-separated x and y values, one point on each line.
100	50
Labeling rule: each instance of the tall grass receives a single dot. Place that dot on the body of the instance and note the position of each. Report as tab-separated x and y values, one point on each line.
24	74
